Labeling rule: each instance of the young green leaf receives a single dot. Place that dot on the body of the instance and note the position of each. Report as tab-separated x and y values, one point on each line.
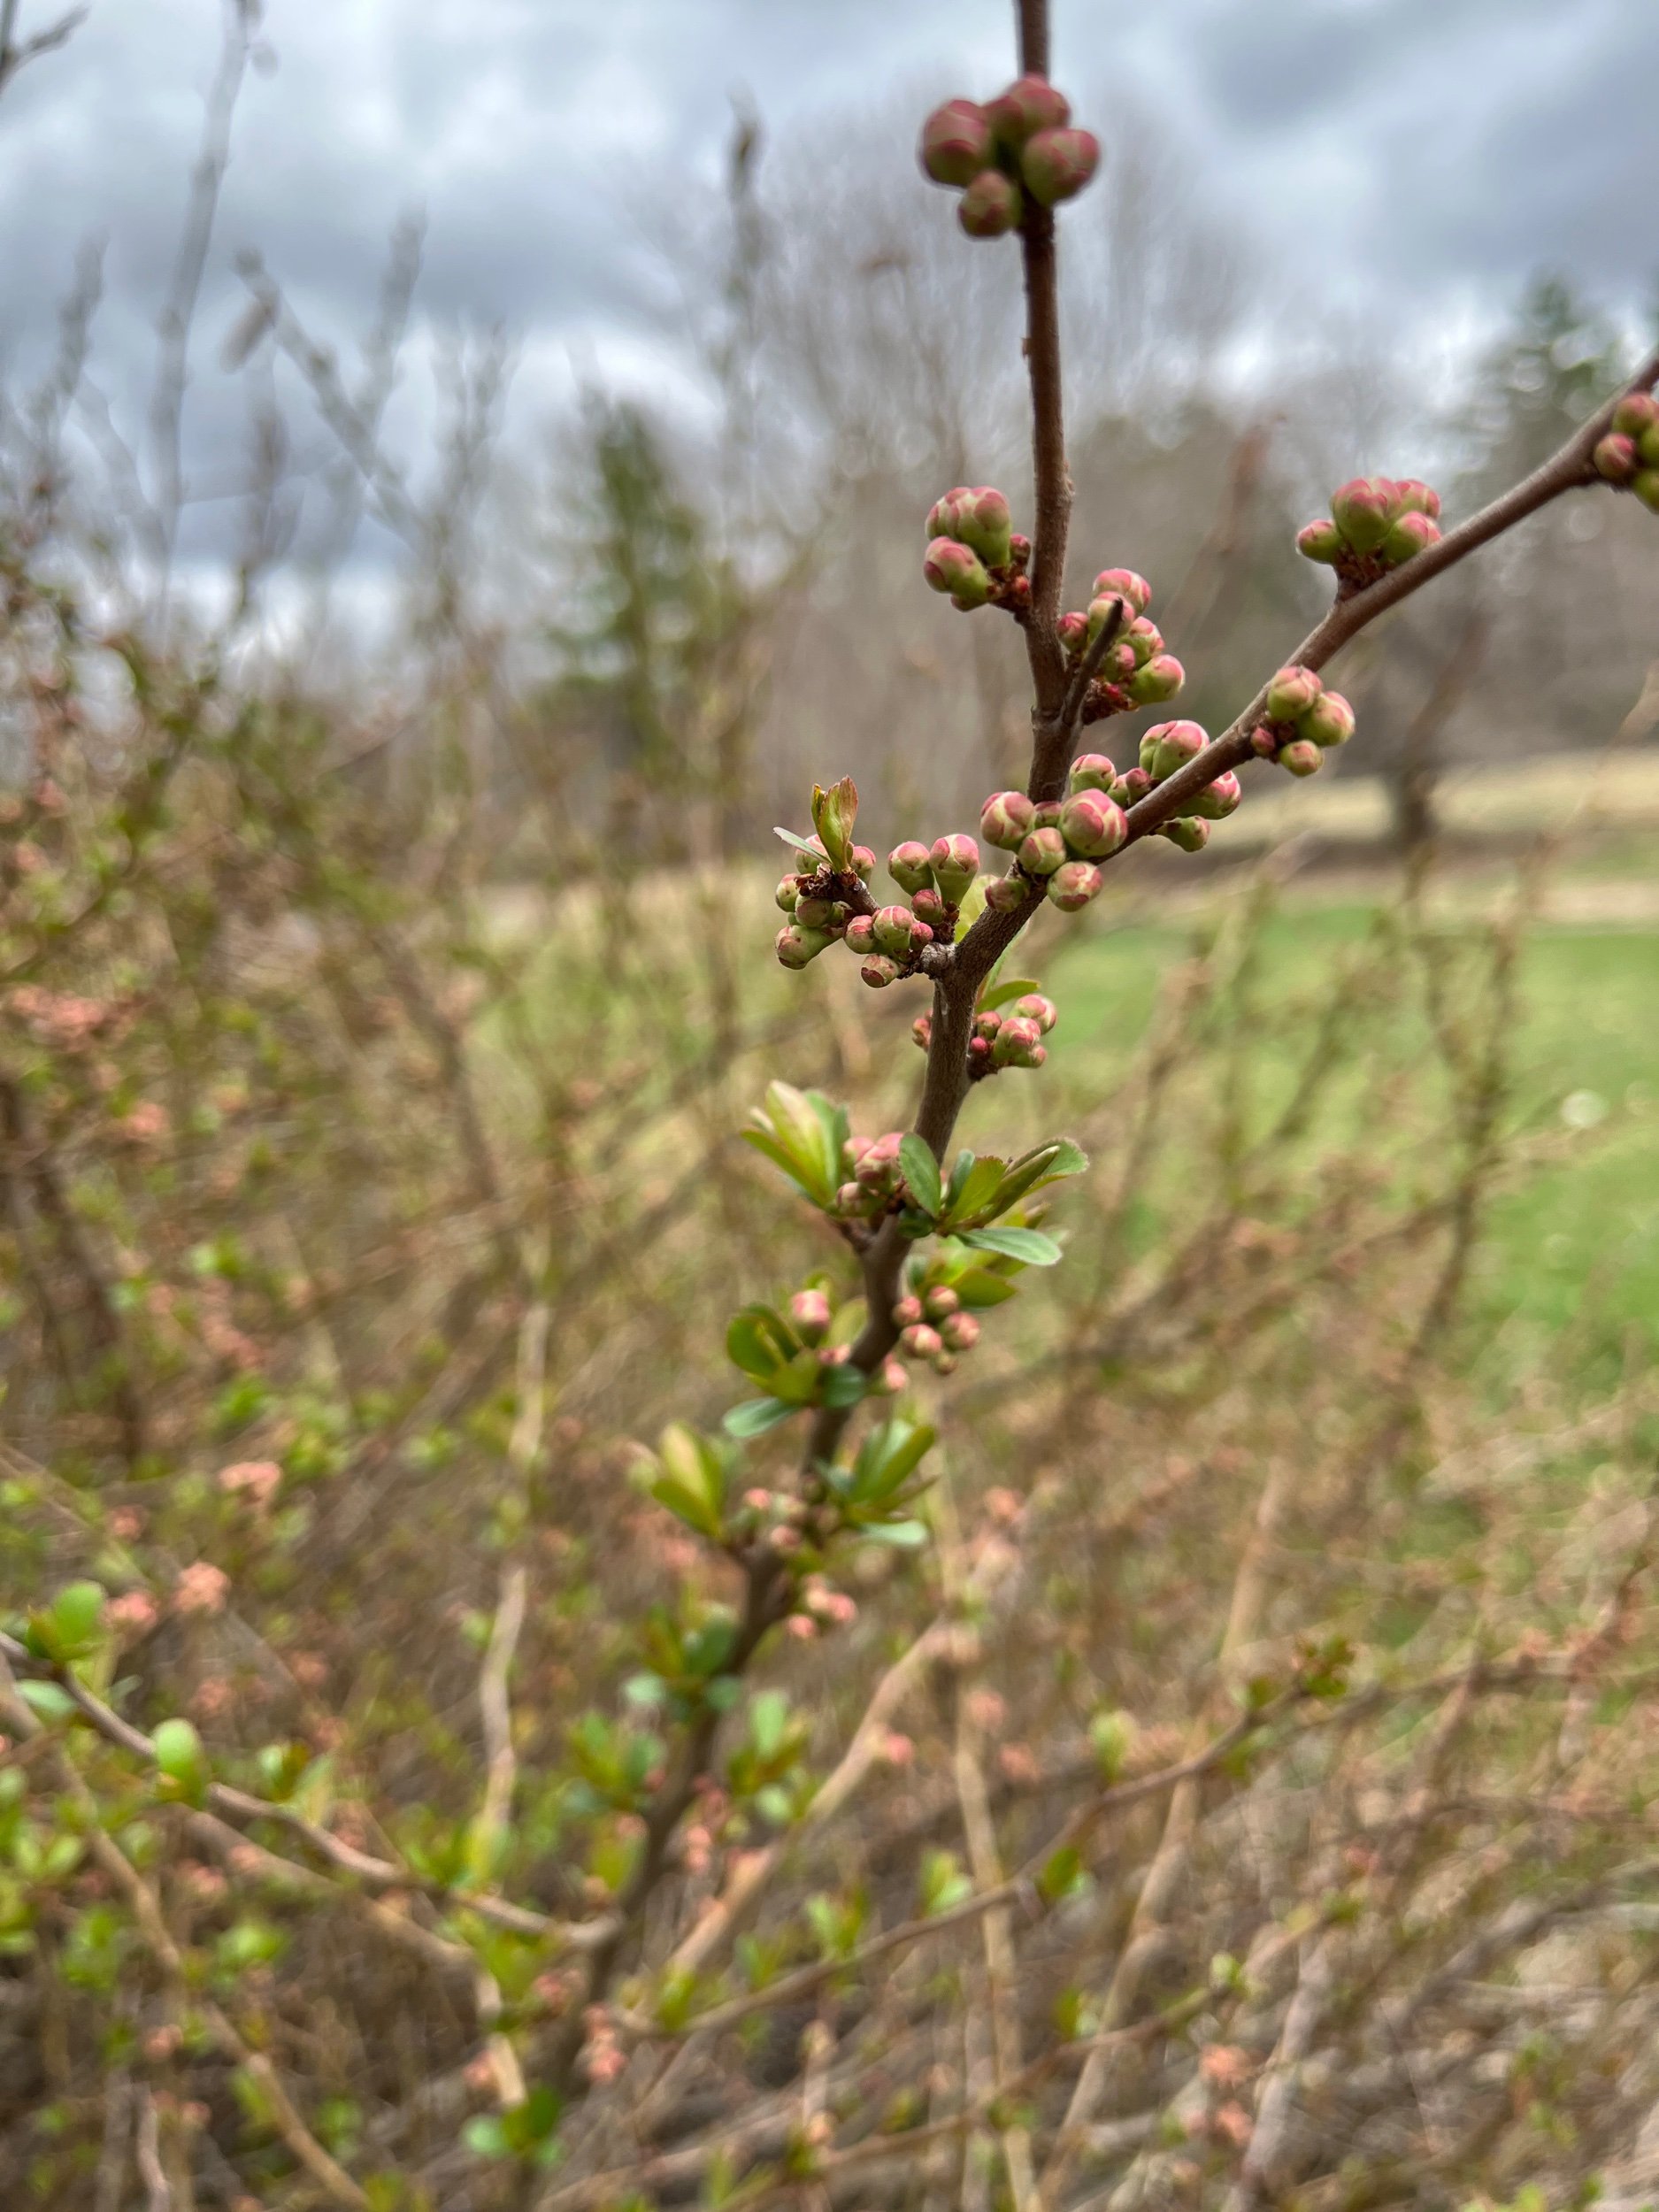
999	993
1030	1246
979	1193
755	1416
834	813
920	1170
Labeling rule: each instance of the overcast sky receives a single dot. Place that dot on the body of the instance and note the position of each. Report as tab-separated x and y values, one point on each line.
1427	153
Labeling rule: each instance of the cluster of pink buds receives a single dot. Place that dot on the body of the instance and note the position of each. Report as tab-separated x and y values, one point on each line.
974	554
1304	721
1166	746
1058	842
891	940
1136	670
821	904
1011	1037
932	1327
874	1184
1019	144
1628	457
1375	524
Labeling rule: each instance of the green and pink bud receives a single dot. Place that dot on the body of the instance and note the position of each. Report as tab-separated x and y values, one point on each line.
991	206
1301	757
1035	1008
1645	484
797	947
1364	509
1292	692
1190	833
889	1380
1017	1040
1616	457
929	907
1091	772
1092	824
1005	895
1160	680
1414	497
1319	541
955	863
1412	534
1042	852
956	569
1005	819
1057	164
1328	721
810	1311
813	911
892	926
922	1031
921	1341
1029	105
960	1331
1144	639
787	894
1125	583
1073	886
1045	814
1636	412
976	516
957	142
1072	631
982	1059
908	867
879	971
939	1301
1218	799
907	1312
1134	784
860	934
863	862
1110	609
1168	746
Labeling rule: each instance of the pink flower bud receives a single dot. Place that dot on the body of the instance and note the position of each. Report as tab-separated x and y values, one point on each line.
1319	541
889	1380
955	863
929	909
1134	784
810	1311
960	1333
787	892
860	934
922	1031
851	1198
863	862
892	925
1190	835
1301	757
907	1313
1168	746
1645	484
1029	105
1091	772
1017	1040
982	523
1072	887
1363	508
955	142
1410	535
796	947
1091	825
1045	814
945	1364
908	865
1042	852
879	971
1328	721
1072	630
1127	585
1637	412
1292	692
991	206
1005	894
921	1342
1615	458
814	913
1034	1008
1006	818
1415	497
952	568
1218	800
980	1052
986	1023
1056	165
940	1300
1161	679
1113	608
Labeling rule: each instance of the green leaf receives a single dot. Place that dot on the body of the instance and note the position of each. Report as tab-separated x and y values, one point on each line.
901	1535
759	1341
920	1170
999	994
795	842
755	1416
962	1167
1030	1246
842	1384
794	1129
834	813
1049	1163
48	1701
886	1458
980	1188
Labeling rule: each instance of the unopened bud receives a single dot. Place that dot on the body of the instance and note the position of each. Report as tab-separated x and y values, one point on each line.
879	971
1645	484
922	1031
991	206
889	1379
945	1364
907	1312
814	912
1292	692
960	1333
1161	679
940	1300
1092	824
1615	458
1005	817
810	1311
1029	105
921	1342
1191	835
1144	639
1110	608
1072	630
892	925
1413	496
1042	852
1301	757
955	863
1045	814
1328	721
986	1023
955	142
981	1050
908	865
1015	1040
1218	799
1410	535
1035	1008
1319	541
796	947
1637	412
983	524
1168	746
1056	165
851	1198
1070	887
1004	894
1134	784
860	934
1091	772
1364	509
863	862
1127	585
954	568
787	892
